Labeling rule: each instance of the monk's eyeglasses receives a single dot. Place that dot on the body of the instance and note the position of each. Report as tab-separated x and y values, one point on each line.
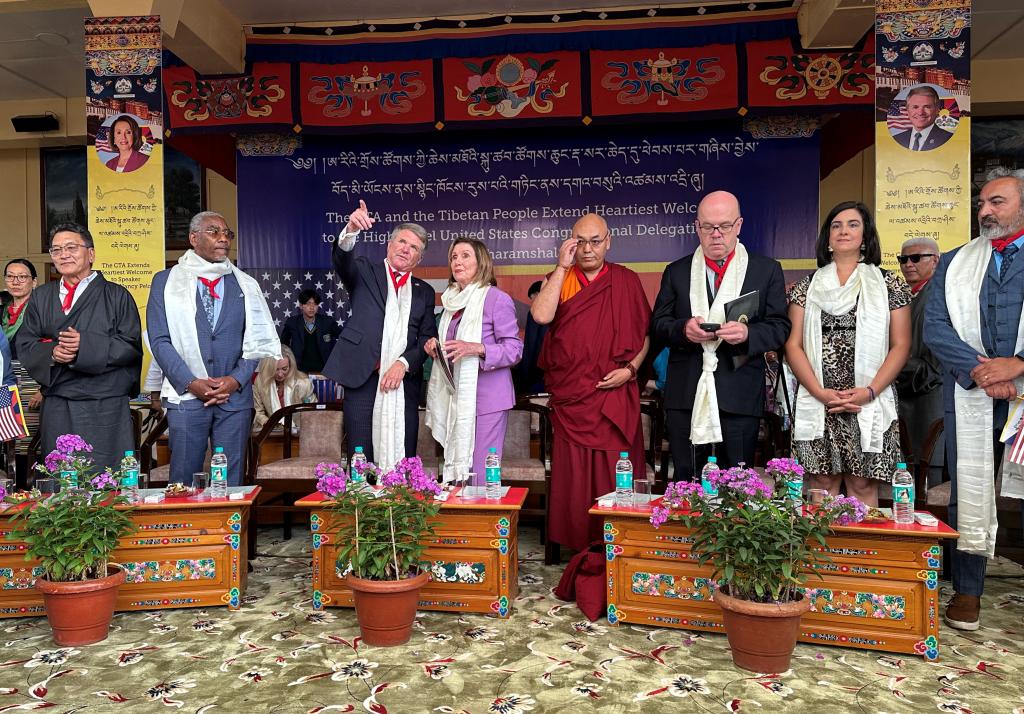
594	243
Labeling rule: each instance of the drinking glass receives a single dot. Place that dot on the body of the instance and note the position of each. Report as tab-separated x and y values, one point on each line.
816	496
201	482
641	492
47	486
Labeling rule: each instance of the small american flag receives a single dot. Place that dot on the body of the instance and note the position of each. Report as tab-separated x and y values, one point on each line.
1016	447
896	118
12	421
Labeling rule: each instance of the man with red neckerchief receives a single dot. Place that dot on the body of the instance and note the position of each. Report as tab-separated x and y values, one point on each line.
714	391
379	355
973	324
81	339
599	316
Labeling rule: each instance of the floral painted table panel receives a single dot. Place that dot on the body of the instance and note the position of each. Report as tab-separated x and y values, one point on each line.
879	592
185	553
472	557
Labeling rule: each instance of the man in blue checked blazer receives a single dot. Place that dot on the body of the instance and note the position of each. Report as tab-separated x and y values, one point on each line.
209	326
973	324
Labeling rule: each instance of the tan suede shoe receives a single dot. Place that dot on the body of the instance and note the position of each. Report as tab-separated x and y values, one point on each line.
963	612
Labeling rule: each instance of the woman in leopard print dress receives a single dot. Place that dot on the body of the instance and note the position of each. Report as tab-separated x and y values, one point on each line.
849	241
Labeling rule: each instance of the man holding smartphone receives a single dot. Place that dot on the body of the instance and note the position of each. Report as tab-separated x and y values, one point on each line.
714	392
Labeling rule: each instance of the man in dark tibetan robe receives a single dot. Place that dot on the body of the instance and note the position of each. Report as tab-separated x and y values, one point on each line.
598	316
82	341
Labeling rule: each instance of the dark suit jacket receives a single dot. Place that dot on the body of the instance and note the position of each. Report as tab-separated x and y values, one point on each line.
220	346
740	391
936	138
357	353
294	335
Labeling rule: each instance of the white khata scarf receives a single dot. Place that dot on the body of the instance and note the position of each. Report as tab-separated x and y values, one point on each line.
865	289
452	417
389	407
975	463
180	300
705	422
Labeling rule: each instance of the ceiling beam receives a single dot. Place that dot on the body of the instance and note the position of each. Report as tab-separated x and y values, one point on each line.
834	23
203	33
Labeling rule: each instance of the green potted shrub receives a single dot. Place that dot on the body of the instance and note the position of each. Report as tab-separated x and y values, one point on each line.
761	548
73	534
381	540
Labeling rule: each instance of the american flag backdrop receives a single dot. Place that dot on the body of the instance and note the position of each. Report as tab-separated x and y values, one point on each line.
281	288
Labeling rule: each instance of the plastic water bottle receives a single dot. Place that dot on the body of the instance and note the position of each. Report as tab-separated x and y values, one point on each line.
705	483
356	476
68	479
219	474
902	495
130	477
492	469
623	480
795	486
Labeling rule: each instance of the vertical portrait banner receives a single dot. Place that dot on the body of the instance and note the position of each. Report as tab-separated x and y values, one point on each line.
124	151
922	123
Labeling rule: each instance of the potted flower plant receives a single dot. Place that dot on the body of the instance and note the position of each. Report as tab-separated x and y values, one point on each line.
761	547
381	539
73	534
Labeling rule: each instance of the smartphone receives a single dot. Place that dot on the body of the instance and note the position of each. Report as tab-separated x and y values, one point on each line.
710	326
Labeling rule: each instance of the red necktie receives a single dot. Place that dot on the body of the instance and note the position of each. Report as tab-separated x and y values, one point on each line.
999	244
398	282
719	270
210	285
70	296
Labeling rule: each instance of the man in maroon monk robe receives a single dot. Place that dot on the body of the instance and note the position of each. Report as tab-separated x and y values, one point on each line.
597	340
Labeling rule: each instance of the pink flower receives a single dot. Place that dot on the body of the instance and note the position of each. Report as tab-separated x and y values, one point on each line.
529	75
473	83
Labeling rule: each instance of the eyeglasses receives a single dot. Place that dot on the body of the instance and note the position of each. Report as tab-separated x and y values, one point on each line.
215	232
914	258
723	228
594	243
17	278
70	249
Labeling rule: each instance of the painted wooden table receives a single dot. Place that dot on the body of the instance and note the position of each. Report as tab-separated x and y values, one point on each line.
473	555
185	553
879	592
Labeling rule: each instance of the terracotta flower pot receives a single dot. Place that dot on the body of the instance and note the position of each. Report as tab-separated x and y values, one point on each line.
385	609
761	635
80	612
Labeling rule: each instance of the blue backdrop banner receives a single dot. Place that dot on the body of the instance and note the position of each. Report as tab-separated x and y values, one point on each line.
521	193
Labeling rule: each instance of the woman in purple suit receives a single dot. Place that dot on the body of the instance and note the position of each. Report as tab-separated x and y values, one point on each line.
468	414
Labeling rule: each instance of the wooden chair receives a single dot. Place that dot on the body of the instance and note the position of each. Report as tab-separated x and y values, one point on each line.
321	439
1009	541
520	467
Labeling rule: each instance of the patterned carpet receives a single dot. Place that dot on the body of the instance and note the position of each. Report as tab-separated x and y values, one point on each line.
279	656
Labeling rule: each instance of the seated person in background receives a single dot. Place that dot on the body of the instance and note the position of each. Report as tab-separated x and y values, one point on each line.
279	383
310	334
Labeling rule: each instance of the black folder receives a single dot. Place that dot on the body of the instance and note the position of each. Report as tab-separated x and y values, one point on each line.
742	309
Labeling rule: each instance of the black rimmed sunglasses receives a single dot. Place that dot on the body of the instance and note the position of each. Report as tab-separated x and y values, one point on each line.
914	258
